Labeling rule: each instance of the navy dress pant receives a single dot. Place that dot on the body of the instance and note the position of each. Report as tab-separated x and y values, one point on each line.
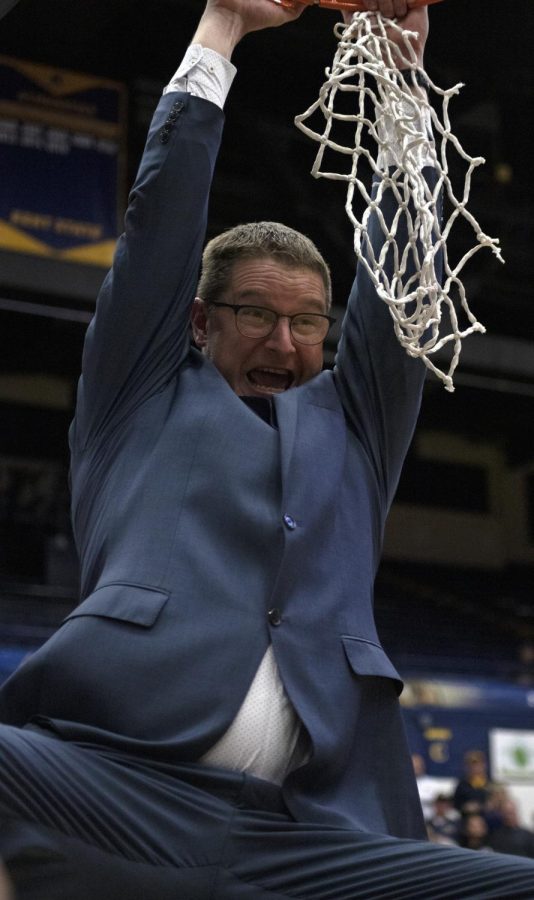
81	822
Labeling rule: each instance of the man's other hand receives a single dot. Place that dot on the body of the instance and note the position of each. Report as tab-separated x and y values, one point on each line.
411	18
225	22
256	14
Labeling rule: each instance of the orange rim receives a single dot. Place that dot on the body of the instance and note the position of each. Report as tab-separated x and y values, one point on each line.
349	5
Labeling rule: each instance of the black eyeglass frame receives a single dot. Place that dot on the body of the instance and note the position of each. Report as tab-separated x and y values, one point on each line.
237	306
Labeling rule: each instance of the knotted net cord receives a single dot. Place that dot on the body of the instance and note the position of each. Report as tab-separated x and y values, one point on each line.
386	81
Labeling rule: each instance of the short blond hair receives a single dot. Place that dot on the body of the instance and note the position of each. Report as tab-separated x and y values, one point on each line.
257	240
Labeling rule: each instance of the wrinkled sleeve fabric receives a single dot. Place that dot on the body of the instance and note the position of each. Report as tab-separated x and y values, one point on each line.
139	335
379	384
203	73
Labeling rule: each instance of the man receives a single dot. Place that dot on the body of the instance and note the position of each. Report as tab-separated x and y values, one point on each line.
426	786
472	791
444	823
217	719
511	836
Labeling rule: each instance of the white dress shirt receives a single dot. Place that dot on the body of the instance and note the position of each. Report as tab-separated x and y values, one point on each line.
263	739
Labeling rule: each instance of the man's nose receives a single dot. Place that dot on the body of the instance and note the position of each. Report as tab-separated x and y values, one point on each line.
280	337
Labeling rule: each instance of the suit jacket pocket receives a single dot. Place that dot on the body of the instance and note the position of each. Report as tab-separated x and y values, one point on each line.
126	602
368	659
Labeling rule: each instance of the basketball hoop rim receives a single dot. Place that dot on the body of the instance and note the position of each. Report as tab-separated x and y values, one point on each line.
347	5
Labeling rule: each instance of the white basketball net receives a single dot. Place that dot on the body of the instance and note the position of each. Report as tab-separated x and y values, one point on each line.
398	127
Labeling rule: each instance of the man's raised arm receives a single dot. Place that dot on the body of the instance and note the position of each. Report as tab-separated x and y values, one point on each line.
140	333
379	384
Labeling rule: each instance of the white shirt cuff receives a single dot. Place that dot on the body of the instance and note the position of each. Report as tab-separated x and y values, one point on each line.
203	73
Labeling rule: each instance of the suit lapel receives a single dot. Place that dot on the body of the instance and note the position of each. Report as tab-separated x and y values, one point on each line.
286	406
312	443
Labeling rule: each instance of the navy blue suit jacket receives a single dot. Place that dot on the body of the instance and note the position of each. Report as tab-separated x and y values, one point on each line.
179	493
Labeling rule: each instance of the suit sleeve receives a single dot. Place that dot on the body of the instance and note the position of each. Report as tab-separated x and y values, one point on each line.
139	335
379	384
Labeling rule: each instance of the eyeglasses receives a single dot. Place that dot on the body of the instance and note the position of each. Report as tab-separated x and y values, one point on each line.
259	322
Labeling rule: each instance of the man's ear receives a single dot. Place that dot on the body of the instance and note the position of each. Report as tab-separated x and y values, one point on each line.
199	323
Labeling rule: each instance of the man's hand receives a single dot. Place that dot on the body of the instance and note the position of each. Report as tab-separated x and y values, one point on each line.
412	19
225	22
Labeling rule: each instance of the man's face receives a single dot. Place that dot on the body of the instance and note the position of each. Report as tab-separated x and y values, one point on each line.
265	366
475	767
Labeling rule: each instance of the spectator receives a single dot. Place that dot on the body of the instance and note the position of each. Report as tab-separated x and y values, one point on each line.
425	785
525	675
474	833
498	797
474	787
511	837
445	820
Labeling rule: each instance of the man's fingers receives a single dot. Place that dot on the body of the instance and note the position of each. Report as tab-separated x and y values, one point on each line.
390	8
387	8
401	8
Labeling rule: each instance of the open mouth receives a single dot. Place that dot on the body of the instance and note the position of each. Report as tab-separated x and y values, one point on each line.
271	381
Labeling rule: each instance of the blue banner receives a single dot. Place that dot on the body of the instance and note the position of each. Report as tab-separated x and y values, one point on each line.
446	718
61	159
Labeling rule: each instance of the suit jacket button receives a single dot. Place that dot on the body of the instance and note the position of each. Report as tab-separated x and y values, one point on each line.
289	522
275	616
